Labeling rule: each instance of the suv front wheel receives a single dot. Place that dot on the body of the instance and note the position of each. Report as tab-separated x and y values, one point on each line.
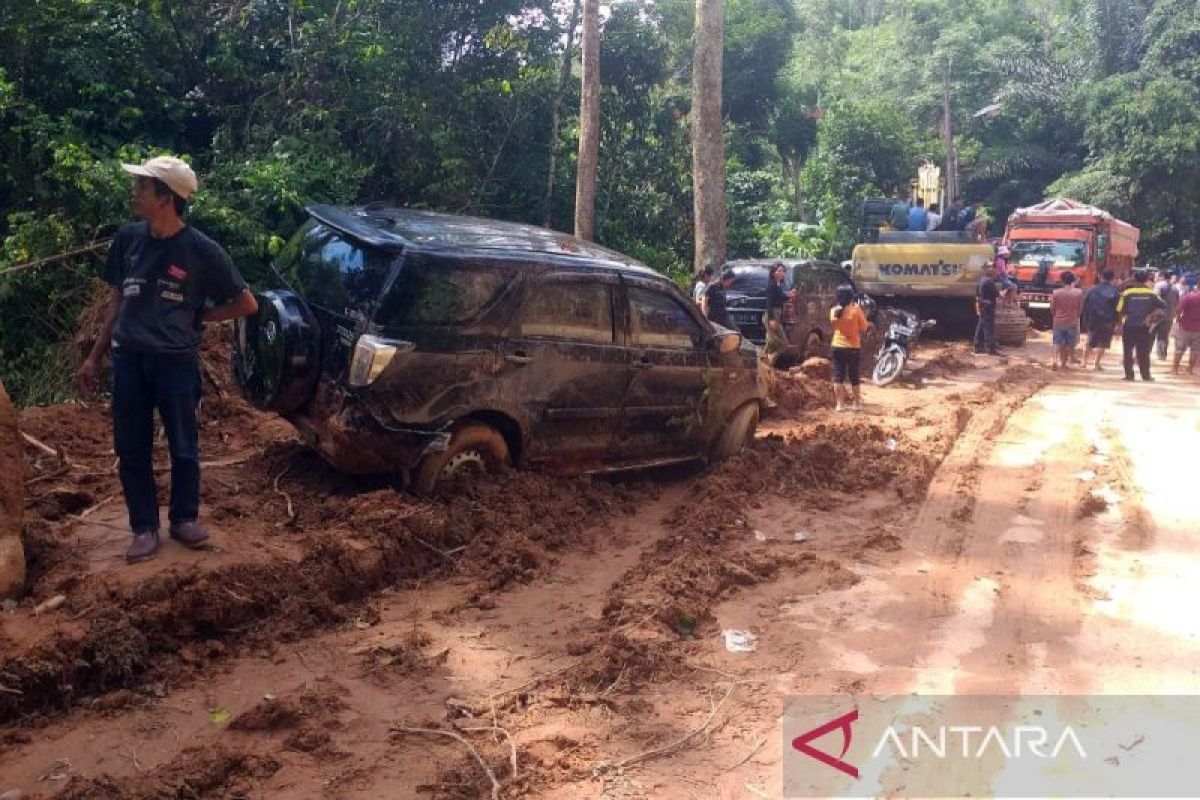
475	449
738	432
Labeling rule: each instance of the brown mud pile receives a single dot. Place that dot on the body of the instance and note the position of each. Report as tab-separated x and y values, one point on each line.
212	771
12	501
351	545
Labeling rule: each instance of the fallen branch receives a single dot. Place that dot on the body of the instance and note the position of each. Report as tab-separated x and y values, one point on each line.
512	747
762	740
675	746
478	758
90	509
229	462
45	448
6	690
443	553
291	511
49	476
533	681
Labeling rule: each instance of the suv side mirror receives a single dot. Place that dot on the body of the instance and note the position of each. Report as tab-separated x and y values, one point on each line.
726	342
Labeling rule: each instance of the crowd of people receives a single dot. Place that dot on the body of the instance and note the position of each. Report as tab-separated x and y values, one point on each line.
847	319
1149	310
914	216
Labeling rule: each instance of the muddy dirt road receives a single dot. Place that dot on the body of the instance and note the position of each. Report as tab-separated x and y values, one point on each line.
986	527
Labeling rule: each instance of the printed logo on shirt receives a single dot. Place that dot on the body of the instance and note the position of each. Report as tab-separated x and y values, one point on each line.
173	296
178	273
132	287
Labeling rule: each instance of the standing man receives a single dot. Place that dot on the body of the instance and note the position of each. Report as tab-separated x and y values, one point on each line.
715	305
918	217
898	216
988	294
935	217
163	274
1187	337
1100	317
1140	309
1066	307
1164	287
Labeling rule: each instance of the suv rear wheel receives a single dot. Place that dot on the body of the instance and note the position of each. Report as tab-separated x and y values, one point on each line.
475	449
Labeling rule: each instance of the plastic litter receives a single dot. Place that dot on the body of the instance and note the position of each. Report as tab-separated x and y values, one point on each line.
891	443
759	536
799	536
737	641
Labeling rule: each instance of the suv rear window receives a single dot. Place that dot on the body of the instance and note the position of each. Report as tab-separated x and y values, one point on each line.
332	272
428	292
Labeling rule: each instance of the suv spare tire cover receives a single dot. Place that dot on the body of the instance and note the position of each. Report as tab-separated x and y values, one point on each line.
277	358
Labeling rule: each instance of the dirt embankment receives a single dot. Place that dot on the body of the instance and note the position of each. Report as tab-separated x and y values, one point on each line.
12	501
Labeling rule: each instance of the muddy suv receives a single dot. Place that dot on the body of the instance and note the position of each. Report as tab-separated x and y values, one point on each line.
805	317
433	345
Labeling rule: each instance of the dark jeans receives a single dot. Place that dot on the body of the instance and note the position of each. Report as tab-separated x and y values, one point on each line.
985	331
1162	333
142	383
1137	341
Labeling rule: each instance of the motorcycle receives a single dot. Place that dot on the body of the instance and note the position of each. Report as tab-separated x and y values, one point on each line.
901	337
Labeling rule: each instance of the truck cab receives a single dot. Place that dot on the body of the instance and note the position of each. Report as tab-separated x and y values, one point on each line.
1063	235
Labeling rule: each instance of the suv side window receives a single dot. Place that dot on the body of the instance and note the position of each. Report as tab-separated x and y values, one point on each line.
334	272
658	320
576	310
428	292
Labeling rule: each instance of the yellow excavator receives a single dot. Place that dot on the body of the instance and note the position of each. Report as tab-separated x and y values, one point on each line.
932	273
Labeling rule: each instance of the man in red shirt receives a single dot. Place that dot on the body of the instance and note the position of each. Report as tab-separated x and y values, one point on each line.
1066	306
1187	336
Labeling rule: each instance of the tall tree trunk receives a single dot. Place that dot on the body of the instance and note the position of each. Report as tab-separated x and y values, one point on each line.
708	145
589	124
564	75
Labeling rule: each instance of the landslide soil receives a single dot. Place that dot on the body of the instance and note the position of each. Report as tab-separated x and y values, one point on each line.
338	630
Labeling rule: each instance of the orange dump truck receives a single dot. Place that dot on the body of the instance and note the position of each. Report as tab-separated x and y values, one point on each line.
1063	235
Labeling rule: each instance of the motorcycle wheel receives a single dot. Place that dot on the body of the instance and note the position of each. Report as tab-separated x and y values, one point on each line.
888	367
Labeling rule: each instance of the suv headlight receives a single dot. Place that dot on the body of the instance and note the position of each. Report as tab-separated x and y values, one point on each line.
371	356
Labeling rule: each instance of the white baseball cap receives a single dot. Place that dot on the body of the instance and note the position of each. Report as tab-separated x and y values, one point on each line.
175	173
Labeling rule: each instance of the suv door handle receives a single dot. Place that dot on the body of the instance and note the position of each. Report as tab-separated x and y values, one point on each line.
519	357
643	363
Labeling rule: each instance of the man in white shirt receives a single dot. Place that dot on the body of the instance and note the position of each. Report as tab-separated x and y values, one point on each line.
935	217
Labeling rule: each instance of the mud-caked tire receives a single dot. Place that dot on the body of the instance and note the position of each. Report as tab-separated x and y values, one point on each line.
737	433
1012	326
475	449
12	502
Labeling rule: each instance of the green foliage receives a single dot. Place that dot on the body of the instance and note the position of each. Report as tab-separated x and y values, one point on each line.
447	105
863	150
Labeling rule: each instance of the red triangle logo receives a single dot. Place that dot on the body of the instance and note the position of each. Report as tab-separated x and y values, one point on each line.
801	743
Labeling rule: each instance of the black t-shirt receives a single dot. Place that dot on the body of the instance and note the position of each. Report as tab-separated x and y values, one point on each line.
165	285
776	297
718	310
988	292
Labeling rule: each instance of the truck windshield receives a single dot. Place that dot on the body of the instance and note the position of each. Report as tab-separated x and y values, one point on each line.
1058	252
